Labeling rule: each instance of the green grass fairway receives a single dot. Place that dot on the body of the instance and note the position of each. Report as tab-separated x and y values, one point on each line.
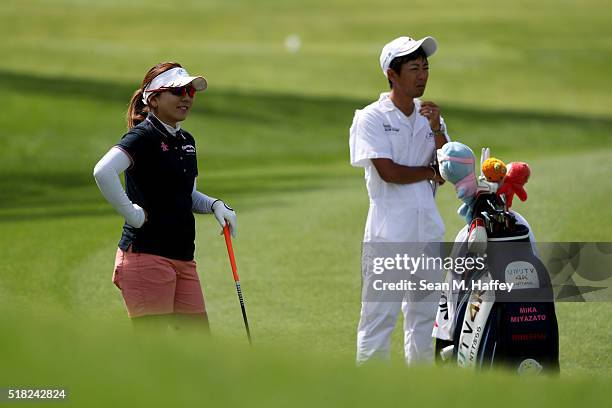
182	370
531	80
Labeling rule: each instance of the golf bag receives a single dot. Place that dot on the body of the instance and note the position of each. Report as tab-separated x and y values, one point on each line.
491	326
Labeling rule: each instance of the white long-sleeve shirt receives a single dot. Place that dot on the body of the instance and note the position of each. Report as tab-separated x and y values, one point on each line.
106	173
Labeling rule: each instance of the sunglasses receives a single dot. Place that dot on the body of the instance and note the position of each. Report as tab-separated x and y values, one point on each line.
182	91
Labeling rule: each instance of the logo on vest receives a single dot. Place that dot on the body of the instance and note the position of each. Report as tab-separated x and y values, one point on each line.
188	148
164	147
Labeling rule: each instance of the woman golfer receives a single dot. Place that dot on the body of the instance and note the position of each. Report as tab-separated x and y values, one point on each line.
154	265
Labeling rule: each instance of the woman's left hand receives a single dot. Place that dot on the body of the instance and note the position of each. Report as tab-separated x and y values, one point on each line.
224	214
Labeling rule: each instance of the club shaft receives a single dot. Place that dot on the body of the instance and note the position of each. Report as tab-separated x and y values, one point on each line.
244	315
230	252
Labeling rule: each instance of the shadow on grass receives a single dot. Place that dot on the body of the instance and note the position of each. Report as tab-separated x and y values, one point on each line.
228	103
28	197
290	132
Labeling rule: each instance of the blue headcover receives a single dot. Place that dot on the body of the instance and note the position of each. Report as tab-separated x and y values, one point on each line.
456	162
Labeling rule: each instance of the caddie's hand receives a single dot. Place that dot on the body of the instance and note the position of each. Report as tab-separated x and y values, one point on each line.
432	112
438	179
435	175
225	214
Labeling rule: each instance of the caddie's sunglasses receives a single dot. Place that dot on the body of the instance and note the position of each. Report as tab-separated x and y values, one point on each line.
182	91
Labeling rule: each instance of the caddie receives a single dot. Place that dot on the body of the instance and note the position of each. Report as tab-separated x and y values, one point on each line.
395	139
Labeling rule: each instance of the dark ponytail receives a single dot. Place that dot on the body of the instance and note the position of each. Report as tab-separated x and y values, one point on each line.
137	110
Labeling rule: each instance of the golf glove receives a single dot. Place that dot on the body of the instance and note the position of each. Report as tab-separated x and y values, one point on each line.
225	214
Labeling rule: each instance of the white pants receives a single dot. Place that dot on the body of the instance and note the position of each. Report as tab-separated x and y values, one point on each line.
379	318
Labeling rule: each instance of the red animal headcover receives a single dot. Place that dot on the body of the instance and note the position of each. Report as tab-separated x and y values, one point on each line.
514	182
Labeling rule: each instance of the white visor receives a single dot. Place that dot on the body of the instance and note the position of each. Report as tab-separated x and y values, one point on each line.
173	78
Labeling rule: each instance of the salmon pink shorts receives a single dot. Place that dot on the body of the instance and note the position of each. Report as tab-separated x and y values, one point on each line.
154	285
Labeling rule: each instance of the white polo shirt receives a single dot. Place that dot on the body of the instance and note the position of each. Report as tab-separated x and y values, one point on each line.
398	212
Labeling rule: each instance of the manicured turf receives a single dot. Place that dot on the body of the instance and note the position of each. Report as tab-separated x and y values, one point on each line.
529	80
105	365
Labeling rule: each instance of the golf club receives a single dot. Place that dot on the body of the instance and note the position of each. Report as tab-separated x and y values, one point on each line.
230	252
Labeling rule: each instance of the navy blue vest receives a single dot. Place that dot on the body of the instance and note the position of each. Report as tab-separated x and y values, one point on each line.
160	180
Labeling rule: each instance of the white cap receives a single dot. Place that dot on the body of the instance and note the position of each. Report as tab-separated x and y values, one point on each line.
404	46
173	78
